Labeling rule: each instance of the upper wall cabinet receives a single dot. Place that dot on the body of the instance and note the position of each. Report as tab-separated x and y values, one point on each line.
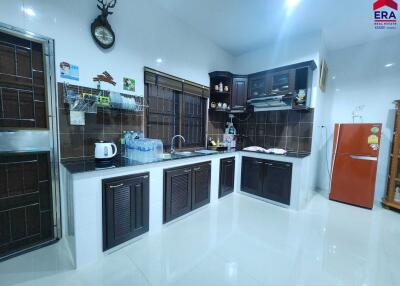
292	85
239	93
228	92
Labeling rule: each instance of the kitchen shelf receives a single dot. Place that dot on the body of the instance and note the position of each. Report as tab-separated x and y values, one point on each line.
391	200
220	93
89	102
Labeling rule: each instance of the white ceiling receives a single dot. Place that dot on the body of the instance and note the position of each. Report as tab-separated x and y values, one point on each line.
239	26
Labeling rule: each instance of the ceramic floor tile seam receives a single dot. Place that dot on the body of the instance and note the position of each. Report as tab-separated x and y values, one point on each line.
227	260
199	261
139	269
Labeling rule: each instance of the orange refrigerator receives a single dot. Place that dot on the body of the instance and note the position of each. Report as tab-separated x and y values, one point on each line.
354	163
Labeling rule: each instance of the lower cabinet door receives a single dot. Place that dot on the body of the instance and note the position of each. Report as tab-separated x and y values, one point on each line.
226	176
177	192
252	171
125	208
201	180
277	182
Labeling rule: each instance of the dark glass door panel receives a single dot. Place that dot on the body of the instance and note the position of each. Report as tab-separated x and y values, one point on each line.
258	87
282	83
26	215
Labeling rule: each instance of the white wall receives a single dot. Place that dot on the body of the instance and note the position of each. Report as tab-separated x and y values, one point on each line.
144	32
361	78
284	52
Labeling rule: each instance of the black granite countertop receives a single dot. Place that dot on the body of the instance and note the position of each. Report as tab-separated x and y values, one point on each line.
91	165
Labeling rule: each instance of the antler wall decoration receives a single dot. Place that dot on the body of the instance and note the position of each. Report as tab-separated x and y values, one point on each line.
101	29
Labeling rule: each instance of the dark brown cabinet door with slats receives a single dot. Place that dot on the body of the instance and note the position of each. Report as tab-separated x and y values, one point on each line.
252	175
177	192
26	215
226	176
185	189
201	180
277	181
125	209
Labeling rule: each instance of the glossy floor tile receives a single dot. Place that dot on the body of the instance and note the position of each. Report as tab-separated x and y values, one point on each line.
239	241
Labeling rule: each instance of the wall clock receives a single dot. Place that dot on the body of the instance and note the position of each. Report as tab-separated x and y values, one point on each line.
102	32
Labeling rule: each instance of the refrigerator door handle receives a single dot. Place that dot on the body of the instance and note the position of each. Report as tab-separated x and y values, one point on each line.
367	158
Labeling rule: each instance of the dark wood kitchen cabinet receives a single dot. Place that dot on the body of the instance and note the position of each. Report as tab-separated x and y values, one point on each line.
258	86
282	82
185	189
201	180
226	176
234	93
252	174
125	208
267	179
239	93
277	181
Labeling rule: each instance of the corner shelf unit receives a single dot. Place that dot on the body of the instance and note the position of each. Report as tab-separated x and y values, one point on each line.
392	198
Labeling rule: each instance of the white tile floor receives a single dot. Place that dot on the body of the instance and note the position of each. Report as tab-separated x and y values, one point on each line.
240	241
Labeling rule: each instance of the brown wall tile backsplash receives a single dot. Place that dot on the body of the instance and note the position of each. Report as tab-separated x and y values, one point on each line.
77	142
216	124
287	129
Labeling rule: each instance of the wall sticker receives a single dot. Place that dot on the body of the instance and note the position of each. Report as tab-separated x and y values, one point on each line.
69	71
129	84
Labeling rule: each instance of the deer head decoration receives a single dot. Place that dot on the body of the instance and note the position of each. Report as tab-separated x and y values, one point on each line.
101	29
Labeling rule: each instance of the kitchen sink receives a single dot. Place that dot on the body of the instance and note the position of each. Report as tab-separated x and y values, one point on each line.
166	156
206	152
184	153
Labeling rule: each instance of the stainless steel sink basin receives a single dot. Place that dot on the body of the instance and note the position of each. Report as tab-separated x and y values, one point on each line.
167	156
184	153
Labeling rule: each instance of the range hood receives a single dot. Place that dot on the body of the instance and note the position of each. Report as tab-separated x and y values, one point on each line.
268	103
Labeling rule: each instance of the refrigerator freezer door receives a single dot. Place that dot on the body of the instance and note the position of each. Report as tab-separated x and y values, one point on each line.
353	180
357	139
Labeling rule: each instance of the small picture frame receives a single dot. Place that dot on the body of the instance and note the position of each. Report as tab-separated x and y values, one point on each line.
323	74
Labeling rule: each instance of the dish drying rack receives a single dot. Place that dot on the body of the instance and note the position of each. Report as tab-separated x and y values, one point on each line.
83	100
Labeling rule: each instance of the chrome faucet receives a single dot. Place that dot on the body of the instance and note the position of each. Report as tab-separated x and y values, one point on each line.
172	142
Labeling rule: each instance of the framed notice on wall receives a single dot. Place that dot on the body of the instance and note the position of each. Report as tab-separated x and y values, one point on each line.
323	73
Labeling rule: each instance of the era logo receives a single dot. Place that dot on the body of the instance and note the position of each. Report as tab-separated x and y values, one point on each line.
384	15
382	3
385	12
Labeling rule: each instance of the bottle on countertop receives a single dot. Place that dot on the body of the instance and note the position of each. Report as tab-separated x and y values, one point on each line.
211	142
232	130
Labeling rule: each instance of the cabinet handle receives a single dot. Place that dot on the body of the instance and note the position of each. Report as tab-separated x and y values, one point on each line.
145	177
116	186
259	162
230	161
187	171
197	169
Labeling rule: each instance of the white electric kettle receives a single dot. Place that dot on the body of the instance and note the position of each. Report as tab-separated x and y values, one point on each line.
104	150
